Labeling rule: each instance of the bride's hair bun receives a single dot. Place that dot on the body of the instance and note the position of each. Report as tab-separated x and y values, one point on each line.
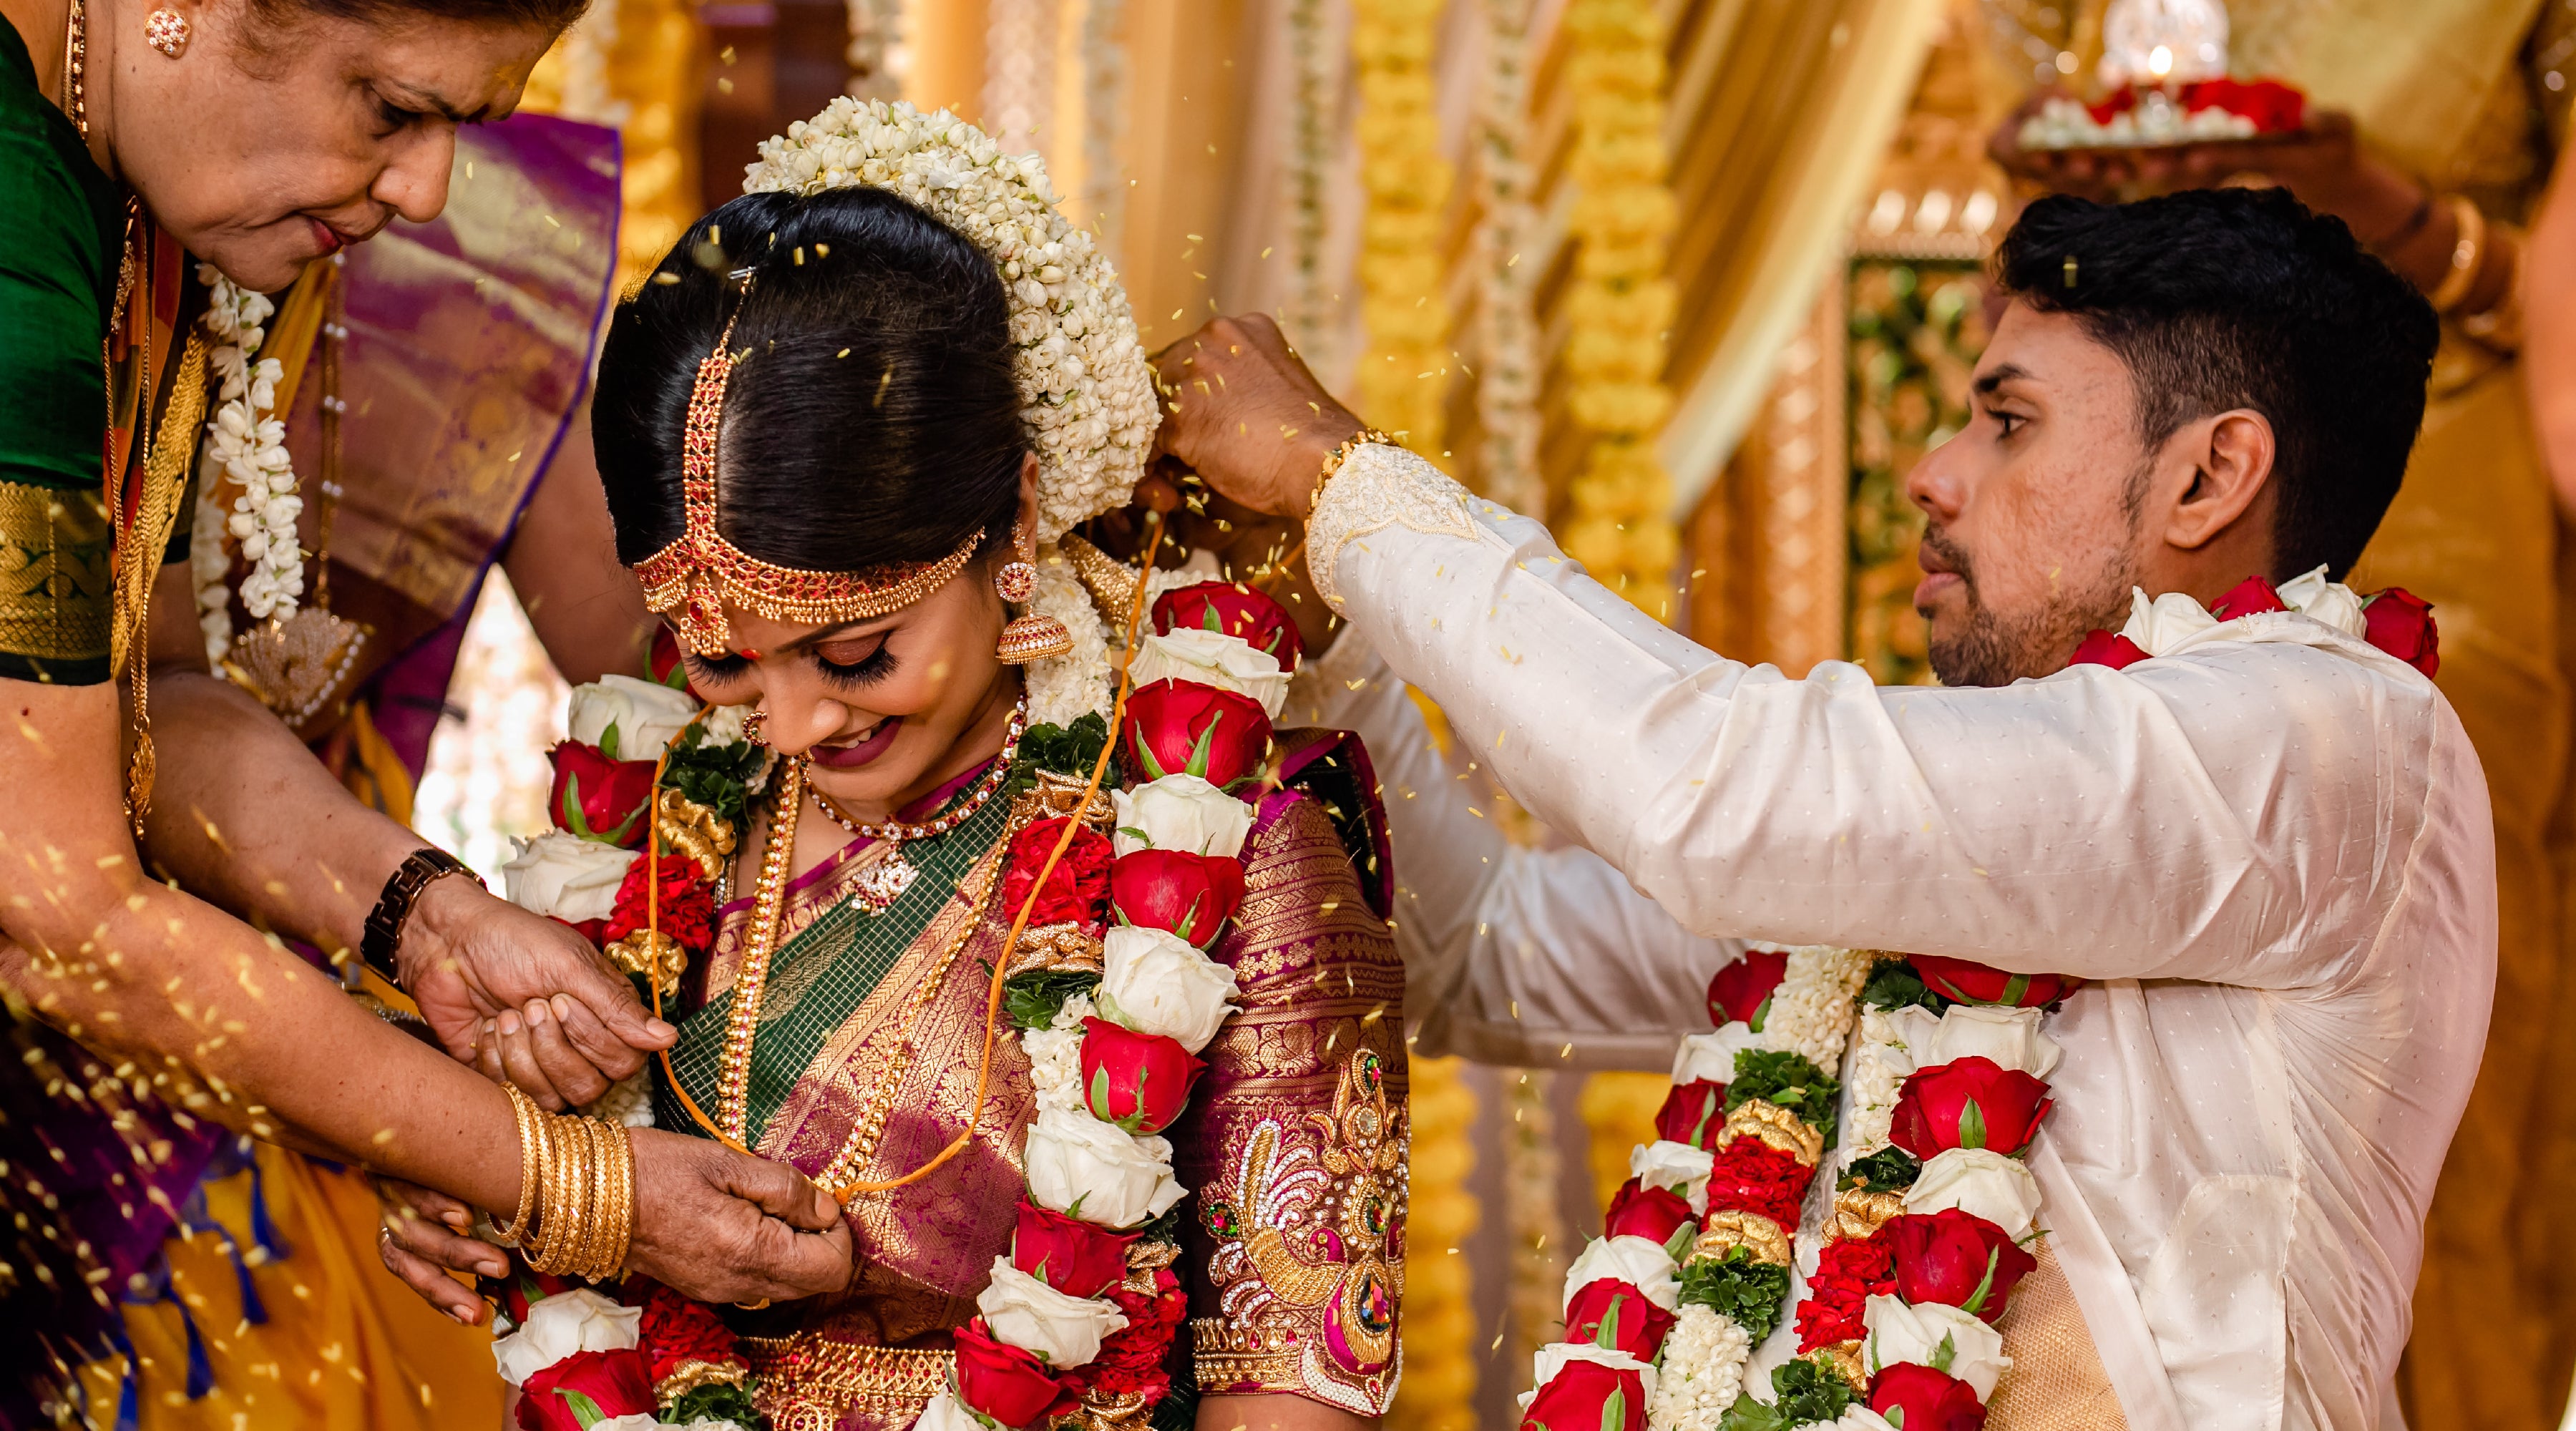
877	416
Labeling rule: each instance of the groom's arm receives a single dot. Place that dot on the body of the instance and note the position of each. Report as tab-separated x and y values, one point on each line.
2195	818
1542	957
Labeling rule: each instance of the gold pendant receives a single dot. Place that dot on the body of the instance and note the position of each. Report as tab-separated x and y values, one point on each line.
297	667
885	883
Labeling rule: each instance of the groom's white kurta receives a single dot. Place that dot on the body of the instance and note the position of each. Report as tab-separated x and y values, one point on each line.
2269	849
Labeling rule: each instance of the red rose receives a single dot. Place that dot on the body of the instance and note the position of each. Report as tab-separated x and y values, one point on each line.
1132	1358
598	798
2247	598
2400	623
1000	1380
1956	1258
1971	983
677	1329
1692	1113
1139	1081
1654	1214
1741	992
1753	1176
665	665
1587	1396
1848	1273
1236	610
1077	889
584	1387
1610	1313
1918	1398
1191	895
687	913
2104	648
1177	727
1066	1253
1970	1102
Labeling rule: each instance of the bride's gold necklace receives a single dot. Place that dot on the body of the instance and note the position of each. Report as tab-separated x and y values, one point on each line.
769	900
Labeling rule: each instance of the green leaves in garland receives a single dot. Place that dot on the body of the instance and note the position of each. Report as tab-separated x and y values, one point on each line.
1808	1392
1032	1000
713	776
1787	1081
716	1401
1896	986
1890	1169
1749	1292
1064	750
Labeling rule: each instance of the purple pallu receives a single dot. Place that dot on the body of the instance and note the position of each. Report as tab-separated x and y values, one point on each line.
468	353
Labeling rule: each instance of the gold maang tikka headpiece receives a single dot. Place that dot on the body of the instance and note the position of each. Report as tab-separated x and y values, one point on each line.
691	579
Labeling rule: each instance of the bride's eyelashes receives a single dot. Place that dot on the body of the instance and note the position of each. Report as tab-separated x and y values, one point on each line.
714	670
867	671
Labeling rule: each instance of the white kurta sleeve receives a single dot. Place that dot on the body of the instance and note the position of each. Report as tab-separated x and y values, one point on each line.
2135	823
1539	957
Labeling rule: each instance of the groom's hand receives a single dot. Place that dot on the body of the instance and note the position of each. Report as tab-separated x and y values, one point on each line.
721	1227
1241	410
522	997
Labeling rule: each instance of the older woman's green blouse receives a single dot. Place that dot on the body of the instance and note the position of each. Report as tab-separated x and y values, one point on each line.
61	228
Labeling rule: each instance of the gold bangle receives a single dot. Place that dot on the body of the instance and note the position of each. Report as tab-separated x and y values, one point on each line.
524	1110
2467	249
1333	464
603	1199
620	1222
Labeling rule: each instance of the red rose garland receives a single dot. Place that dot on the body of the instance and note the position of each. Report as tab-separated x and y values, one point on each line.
2396	620
1662	1311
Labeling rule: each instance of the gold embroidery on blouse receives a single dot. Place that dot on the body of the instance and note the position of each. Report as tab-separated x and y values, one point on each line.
56	592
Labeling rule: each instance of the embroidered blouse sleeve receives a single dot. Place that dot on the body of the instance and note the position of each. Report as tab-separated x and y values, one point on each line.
1295	1142
2242	812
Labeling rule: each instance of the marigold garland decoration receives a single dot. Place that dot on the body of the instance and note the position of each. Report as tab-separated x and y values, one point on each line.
1507	226
1438	1392
1619	309
1403	301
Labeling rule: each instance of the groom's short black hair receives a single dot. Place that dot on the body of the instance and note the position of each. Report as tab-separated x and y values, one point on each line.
2242	298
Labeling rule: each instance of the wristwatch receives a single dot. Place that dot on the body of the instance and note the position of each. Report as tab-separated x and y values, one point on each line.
393	907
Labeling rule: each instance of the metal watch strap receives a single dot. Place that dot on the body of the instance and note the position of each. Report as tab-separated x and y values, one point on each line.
393	907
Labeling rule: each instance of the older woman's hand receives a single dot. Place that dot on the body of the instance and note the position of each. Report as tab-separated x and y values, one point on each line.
523	997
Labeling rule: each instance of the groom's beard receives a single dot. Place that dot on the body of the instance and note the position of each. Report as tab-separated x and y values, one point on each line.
1997	648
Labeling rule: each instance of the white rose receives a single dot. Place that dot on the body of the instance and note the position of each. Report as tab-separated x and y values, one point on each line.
645	714
1063	1331
636	1421
2010	1037
1641	1264
1553	1357
2158	626
1936	1335
1154	982
1909	1028
1084	1168
1180	812
1980	1181
1711	1056
2331	602
563	876
1860	1418
1679	1166
1212	658
558	1326
946	1413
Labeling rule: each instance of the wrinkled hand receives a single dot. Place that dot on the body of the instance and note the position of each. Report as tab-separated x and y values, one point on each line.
1243	412
425	1234
523	997
713	1224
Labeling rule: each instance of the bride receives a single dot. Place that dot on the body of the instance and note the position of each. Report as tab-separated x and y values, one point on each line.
1100	1048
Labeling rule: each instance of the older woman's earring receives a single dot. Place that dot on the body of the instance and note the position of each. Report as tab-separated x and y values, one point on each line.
167	31
1036	636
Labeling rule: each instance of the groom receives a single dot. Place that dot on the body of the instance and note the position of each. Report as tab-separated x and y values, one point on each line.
2268	848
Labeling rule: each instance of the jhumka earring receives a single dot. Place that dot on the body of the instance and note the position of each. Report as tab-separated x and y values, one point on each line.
166	30
1035	636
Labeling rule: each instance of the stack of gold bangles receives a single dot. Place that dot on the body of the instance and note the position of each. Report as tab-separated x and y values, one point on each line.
576	1193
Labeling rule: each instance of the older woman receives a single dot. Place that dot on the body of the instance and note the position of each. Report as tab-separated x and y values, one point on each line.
256	137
